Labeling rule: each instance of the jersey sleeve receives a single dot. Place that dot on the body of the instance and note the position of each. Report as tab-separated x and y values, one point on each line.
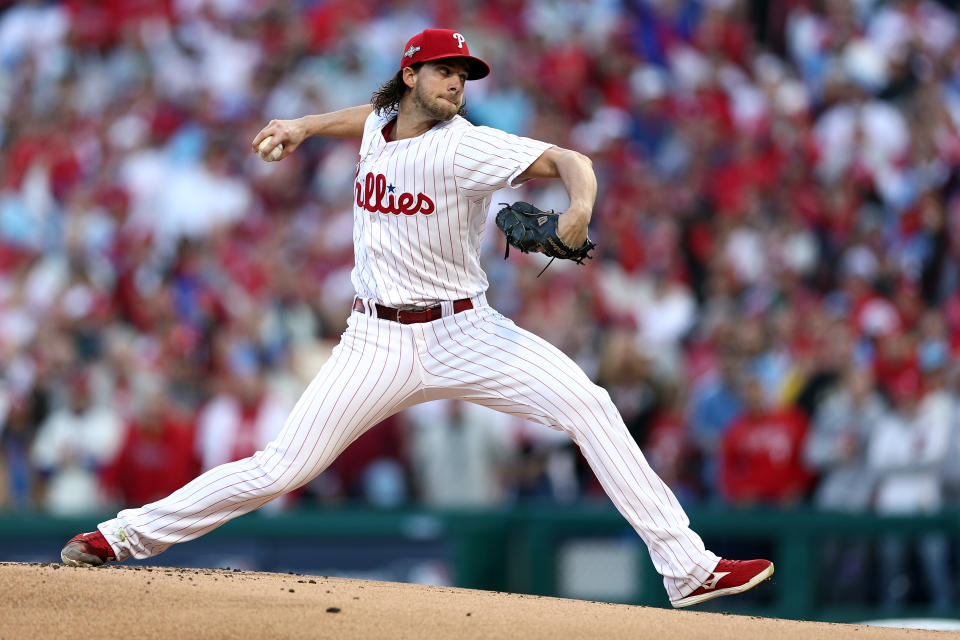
488	159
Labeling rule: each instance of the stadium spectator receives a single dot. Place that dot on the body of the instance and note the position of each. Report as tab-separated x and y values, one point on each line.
715	403
906	451
836	448
71	447
19	481
461	455
239	420
762	454
837	443
157	455
629	375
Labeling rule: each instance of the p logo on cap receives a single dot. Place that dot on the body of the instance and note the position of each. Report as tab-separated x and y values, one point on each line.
436	44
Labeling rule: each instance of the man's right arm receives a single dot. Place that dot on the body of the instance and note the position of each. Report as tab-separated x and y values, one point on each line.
346	123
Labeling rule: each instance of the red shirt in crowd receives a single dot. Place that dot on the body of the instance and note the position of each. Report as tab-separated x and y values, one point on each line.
152	464
762	458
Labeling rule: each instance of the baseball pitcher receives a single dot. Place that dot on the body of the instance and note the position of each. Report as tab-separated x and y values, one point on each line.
421	328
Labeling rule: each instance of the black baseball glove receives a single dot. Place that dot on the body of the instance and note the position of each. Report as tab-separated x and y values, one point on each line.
529	229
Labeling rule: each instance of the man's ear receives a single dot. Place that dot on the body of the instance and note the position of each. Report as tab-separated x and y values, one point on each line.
409	77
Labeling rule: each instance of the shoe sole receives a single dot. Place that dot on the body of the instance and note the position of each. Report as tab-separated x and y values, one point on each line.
746	586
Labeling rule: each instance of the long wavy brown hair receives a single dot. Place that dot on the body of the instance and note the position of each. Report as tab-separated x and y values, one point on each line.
388	96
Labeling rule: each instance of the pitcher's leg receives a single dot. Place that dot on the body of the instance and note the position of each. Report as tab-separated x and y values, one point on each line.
368	377
517	372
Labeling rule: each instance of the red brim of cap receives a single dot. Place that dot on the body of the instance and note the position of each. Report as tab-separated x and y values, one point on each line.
476	68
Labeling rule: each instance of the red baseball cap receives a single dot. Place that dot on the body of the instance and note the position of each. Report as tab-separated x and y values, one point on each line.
434	44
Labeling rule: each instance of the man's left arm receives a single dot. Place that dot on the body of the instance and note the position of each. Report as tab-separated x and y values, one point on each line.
575	170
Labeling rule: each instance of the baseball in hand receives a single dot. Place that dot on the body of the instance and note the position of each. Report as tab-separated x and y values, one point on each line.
274	155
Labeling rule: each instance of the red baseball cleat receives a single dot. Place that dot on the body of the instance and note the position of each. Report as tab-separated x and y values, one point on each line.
728	578
87	550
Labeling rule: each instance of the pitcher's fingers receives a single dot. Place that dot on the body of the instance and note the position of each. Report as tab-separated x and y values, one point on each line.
265	132
257	139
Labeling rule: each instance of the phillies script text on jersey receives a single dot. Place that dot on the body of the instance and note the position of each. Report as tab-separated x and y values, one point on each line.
370	196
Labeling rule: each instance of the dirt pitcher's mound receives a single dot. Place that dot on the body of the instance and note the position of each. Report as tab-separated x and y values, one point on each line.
52	601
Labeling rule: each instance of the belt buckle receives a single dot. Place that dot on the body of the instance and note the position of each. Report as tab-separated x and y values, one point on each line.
414	308
408	310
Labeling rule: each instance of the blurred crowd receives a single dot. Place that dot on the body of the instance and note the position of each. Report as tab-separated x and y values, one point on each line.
775	307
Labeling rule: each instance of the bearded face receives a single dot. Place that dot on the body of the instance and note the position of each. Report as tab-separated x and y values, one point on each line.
436	107
438	92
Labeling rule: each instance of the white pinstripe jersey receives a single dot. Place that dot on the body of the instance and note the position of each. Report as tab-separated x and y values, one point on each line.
420	205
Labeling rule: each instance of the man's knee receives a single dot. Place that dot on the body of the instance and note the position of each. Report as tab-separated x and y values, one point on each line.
281	475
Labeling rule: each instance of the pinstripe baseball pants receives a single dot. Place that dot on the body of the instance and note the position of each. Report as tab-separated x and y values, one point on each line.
381	367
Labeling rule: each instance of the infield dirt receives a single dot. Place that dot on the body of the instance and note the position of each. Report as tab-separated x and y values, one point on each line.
42	601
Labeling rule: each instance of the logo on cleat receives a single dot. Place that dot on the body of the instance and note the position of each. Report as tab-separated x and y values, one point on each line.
714	579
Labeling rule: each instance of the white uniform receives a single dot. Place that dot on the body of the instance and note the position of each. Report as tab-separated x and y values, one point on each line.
437	188
419	212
